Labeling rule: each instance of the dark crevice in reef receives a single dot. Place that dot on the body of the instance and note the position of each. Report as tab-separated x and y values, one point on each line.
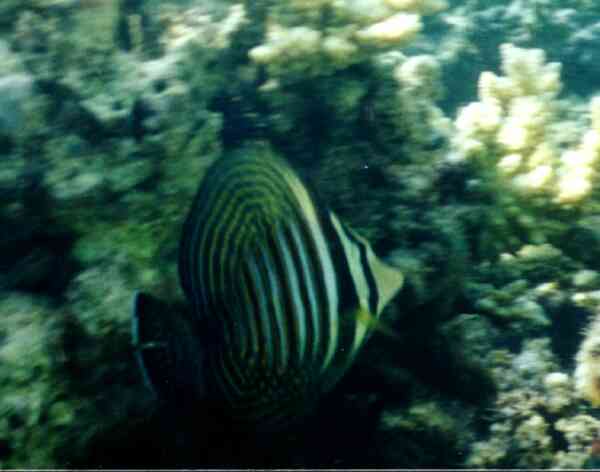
248	115
71	114
35	250
436	358
571	319
35	258
7	144
239	124
445	369
342	432
559	439
197	440
5	448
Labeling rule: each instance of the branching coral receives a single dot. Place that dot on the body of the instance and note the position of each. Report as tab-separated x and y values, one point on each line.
514	127
319	36
531	288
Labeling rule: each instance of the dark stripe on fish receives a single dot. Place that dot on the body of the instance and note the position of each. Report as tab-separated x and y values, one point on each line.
373	292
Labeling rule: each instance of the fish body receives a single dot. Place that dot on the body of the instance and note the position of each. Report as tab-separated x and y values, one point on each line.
282	292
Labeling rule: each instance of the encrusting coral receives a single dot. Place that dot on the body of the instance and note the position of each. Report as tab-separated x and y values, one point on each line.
537	420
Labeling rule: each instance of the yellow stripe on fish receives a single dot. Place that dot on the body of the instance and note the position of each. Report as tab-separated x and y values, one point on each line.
281	292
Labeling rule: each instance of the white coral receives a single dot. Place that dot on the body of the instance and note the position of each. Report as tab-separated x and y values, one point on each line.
397	30
512	126
298	40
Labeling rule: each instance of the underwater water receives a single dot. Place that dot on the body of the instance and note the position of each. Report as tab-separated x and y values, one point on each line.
299	234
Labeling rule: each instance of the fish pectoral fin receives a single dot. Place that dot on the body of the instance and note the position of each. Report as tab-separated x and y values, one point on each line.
148	333
149	345
167	348
373	323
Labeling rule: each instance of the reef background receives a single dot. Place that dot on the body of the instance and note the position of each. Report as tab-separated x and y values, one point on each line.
110	111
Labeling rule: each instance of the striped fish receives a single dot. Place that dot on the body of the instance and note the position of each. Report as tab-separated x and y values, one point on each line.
282	295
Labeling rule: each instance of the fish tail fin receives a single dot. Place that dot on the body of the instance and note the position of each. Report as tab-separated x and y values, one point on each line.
167	349
389	280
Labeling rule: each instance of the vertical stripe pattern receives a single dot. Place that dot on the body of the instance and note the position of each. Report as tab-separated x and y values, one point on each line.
278	282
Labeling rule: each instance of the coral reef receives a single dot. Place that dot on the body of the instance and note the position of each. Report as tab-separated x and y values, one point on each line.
111	111
537	420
